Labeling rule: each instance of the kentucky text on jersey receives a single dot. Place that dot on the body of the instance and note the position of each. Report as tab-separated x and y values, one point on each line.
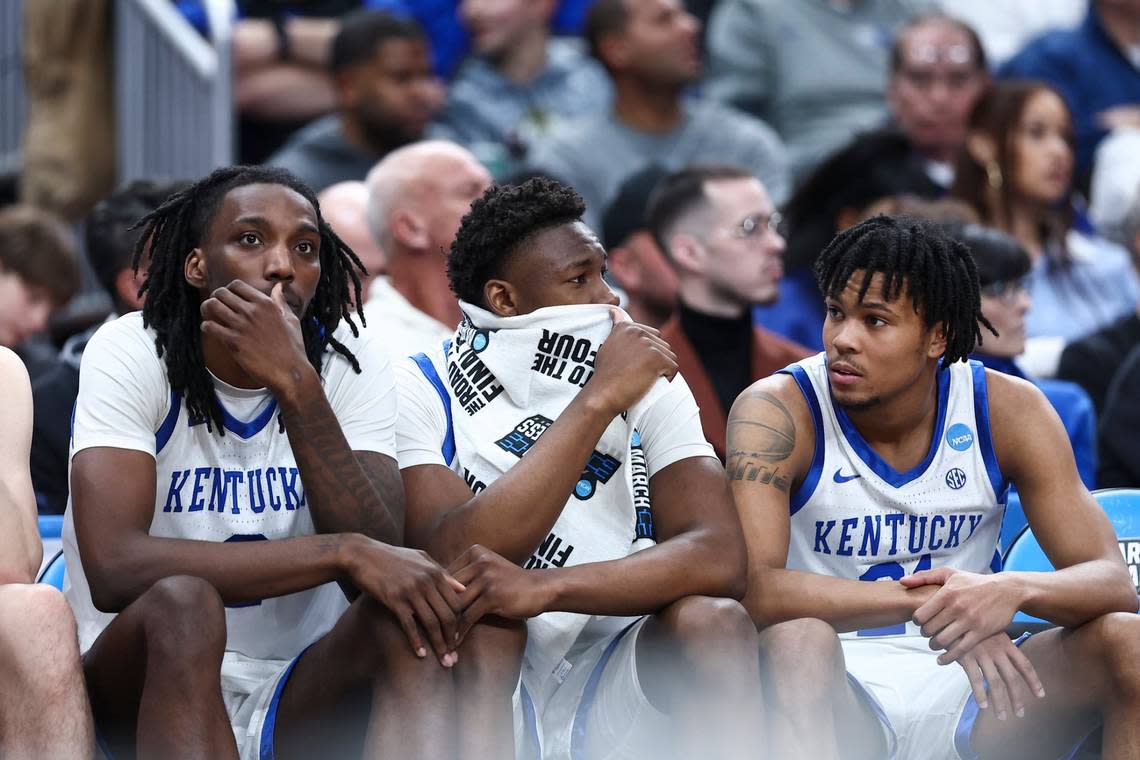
894	533
214	490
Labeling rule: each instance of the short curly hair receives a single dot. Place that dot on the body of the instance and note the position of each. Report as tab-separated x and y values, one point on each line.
501	221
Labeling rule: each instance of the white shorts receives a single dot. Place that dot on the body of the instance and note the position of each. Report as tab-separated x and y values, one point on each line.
251	690
598	713
920	704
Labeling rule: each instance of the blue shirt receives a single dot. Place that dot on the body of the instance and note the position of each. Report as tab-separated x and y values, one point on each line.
1088	68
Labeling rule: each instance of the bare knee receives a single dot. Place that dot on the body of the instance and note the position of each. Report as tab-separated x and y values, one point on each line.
709	624
1117	637
491	655
183	619
37	633
801	654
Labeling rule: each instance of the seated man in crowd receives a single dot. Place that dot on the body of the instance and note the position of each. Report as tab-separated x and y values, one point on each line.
43	706
718	228
626	650
233	457
887	459
518	83
416	197
938	72
650	49
39	273
386	95
110	245
636	263
345	207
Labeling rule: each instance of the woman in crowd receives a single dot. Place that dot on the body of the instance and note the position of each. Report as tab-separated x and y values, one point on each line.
1017	172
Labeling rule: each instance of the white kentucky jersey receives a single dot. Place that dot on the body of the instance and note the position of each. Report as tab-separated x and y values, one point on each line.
244	485
856	517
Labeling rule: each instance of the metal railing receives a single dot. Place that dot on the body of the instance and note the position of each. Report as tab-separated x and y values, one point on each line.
174	114
13	103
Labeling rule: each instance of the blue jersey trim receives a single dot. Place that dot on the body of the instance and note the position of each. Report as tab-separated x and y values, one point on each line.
880	466
247	430
582	715
985	438
166	429
530	719
811	480
428	370
267	749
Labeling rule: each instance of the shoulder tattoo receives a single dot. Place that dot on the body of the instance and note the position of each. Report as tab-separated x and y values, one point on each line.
761	435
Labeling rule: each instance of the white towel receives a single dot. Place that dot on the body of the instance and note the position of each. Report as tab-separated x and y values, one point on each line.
510	378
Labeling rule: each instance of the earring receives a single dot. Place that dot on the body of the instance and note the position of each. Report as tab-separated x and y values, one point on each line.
993	175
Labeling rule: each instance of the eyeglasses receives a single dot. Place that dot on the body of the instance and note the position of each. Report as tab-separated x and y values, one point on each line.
1007	291
755	225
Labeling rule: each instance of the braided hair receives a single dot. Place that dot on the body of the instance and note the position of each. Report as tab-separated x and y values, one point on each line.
171	231
936	271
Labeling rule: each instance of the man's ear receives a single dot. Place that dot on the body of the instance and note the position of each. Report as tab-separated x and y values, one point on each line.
688	253
981	148
613	51
625	267
937	346
409	230
127	285
195	269
501	298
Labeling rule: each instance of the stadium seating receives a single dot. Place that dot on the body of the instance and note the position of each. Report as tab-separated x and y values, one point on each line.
1122	505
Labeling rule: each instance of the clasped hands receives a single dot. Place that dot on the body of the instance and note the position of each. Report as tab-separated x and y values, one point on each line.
967	617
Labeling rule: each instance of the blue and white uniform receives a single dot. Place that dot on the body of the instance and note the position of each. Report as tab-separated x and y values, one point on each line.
856	517
243	486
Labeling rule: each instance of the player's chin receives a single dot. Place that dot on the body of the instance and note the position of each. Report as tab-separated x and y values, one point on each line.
853	401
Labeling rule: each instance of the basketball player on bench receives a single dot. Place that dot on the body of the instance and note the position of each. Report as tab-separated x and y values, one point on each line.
870	480
233	458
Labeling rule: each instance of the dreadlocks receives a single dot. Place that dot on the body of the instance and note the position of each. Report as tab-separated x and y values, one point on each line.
174	229
937	272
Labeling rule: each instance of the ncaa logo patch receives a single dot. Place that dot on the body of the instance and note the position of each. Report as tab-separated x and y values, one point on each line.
480	340
955	478
960	437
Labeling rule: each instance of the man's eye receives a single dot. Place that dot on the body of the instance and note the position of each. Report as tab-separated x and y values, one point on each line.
250	238
875	321
306	247
833	312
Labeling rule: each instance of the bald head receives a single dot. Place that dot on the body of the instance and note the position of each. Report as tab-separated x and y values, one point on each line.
345	207
417	195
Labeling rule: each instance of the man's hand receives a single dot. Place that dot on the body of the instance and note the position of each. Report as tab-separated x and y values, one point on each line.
629	363
1010	675
263	331
414	588
496	586
967	609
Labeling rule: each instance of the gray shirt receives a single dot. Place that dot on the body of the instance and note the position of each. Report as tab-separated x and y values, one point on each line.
320	156
499	119
815	72
596	154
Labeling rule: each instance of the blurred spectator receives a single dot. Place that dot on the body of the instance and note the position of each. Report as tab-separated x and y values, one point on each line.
1120	456
449	39
1007	25
813	69
39	273
1017	174
345	207
938	72
1094	66
69	141
110	246
718	227
840	192
518	84
635	261
1002	267
386	94
649	48
1094	360
417	195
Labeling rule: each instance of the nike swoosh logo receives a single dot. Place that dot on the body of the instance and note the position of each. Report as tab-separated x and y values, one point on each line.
840	478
